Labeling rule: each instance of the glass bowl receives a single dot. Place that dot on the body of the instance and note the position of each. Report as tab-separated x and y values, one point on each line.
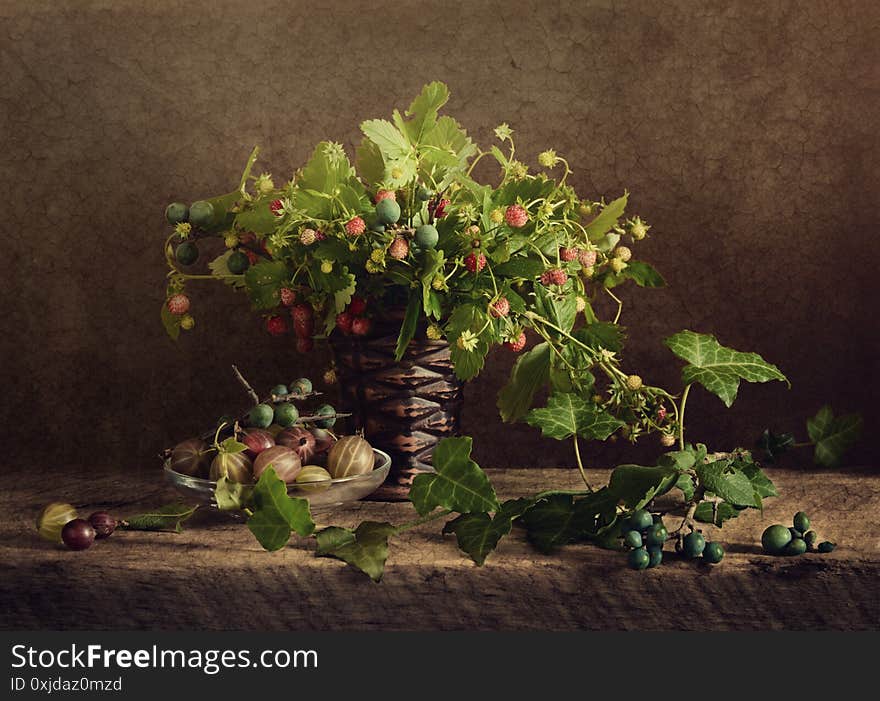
322	495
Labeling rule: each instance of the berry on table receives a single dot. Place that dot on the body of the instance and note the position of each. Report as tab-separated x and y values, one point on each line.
657	534
103	523
713	553
693	544
826	546
78	534
516	216
638	559
801	522
632	539
796	546
775	538
656	556
641	519
178	304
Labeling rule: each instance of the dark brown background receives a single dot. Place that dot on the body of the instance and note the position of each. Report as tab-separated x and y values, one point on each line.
746	132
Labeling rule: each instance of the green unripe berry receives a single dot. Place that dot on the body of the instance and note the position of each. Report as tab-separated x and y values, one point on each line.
424	193
713	553
237	263
796	546
187	253
802	521
301	387
826	546
810	538
201	213
693	544
638	559
655	557
657	534
387	211
632	539
176	212
641	519
327	410
285	414
279	390
795	533
427	236
775	538
260	416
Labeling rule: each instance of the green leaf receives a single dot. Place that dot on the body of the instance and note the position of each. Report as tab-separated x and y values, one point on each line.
715	513
636	485
232	496
531	372
833	436
370	164
761	483
365	548
263	282
643	274
773	445
728	482
458	483
408	327
276	514
468	317
686	484
681	460
219	268
520	267
387	137
232	446
447	148
607	218
257	217
601	335
170	322
423	110
717	368
327	168
559	308
478	533
165	518
559	519
567	414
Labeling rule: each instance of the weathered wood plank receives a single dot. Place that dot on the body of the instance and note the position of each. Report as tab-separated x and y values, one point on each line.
215	576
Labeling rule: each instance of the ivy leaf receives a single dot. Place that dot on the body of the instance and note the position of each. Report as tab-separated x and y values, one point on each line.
833	436
263	282
458	483
478	533
232	496
219	268
686	484
276	514
408	327
532	370
643	274
717	368
365	548
601	335
773	445
728	482
761	483
715	513
170	322
681	460
636	485
567	414
165	518
607	218
559	519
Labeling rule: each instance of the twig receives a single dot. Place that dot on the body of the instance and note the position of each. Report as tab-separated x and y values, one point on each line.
244	383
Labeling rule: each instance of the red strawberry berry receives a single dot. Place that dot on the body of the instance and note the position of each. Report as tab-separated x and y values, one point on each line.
500	308
361	326
475	262
385	195
320	235
399	248
251	256
587	258
277	207
178	304
343	322
661	413
276	325
357	306
288	296
516	216
305	345
554	276
569	254
355	226
438	209
302	313
517	345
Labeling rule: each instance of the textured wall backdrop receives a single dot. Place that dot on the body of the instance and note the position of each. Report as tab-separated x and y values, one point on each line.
746	132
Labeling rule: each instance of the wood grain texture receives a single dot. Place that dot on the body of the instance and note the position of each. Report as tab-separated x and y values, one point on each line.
187	581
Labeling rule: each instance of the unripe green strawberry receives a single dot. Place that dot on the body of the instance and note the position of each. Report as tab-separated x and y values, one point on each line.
633	383
623	253
667	440
187	322
618	265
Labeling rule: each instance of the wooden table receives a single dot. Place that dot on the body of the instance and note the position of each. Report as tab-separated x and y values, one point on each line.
214	576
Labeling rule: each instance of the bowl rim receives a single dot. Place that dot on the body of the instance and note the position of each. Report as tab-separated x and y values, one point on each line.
384	464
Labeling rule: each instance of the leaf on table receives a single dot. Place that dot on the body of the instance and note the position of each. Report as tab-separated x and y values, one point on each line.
567	414
478	533
715	513
531	372
833	436
276	514
458	483
170	517
721	477
636	485
365	548
717	368
232	496
560	519
773	445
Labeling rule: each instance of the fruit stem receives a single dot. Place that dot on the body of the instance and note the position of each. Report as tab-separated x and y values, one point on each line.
619	305
433	516
684	398
577	454
244	383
